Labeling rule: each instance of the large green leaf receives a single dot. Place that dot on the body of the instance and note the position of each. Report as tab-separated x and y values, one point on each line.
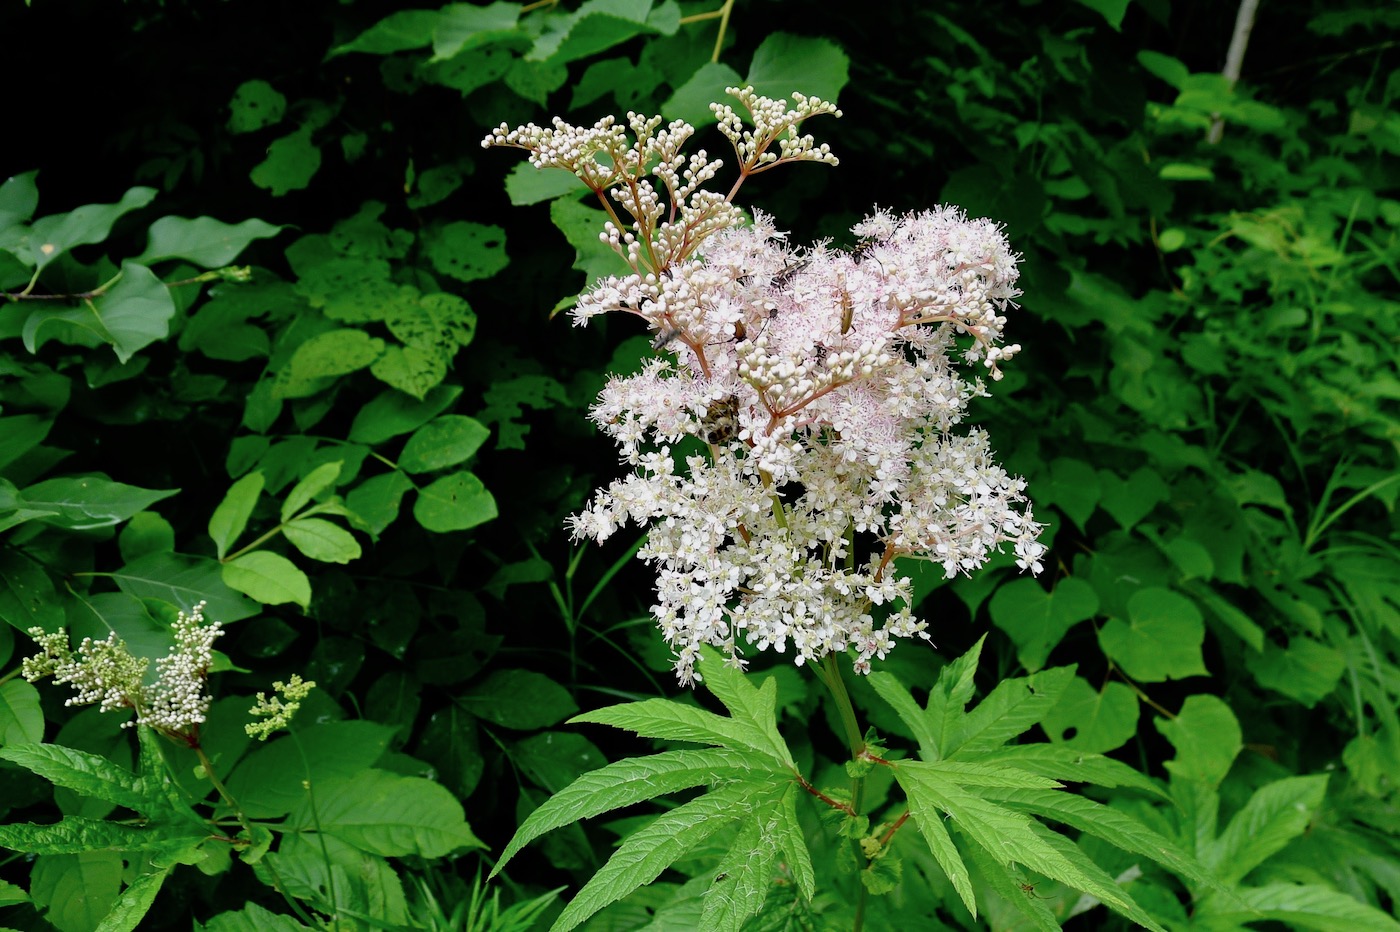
231	516
90	502
1093	720
73	835
463	26
784	63
135	313
631	781
755	706
387	814
672	721
184	581
318	480
76	890
466	251
397	32
21	719
1297	906
272	780
84	773
269	577
1207	738
1274	816
1161	638
647	852
1010	709
52	236
27	595
321	540
456	502
520	699
442	442
131	907
1038	620
204	241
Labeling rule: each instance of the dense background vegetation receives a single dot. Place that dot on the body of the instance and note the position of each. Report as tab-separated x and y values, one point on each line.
1205	409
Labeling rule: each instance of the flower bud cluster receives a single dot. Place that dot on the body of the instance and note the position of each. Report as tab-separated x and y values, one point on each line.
823	389
107	673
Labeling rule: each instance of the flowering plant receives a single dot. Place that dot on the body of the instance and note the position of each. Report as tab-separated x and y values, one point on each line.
821	392
823	383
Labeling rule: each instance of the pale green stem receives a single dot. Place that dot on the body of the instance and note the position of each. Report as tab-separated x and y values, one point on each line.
830	673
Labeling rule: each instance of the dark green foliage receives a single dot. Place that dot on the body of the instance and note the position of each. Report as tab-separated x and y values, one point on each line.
278	336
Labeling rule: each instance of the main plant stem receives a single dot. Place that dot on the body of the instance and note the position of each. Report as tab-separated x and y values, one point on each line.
830	672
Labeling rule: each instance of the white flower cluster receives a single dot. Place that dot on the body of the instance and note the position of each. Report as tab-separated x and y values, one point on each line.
824	388
107	673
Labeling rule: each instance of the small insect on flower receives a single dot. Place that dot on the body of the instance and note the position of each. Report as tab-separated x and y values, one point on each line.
664	337
721	421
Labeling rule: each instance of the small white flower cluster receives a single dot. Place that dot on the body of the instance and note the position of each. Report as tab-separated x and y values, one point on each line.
824	388
107	673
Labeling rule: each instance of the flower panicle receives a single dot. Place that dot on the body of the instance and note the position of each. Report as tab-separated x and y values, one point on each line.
827	386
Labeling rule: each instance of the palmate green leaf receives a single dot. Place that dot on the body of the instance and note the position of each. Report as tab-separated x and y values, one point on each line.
1010	709
1114	827
979	775
1069	765
1005	885
1296	906
950	695
890	689
231	516
647	852
387	814
672	721
90	501
1100	881
1009	836
1274	816
135	313
636	780
74	835
745	873
84	773
788	832
756	706
929	821
131	907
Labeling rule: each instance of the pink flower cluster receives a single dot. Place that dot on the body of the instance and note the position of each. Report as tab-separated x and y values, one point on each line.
824	388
